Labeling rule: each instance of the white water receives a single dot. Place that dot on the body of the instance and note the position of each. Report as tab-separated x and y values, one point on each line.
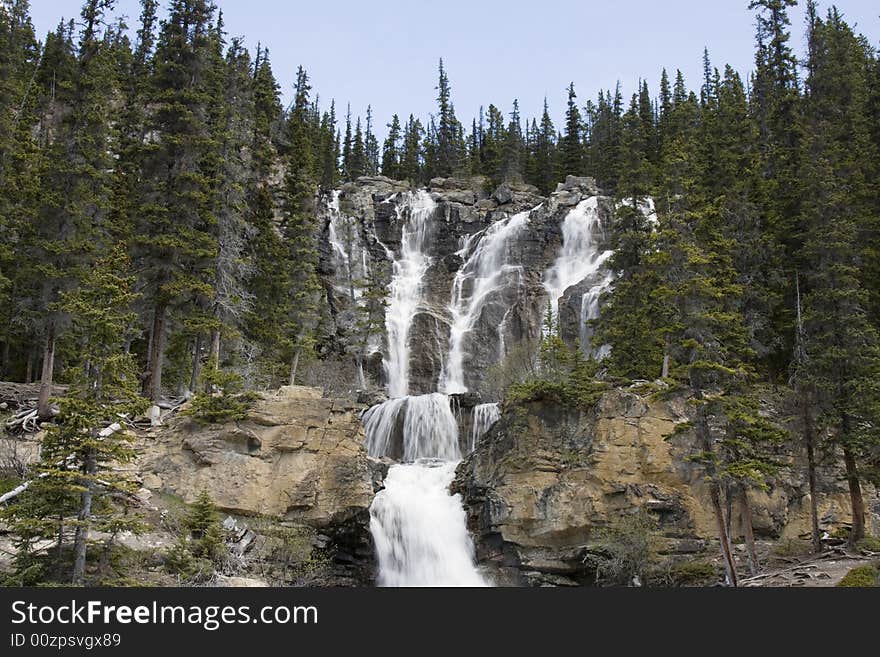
485	415
429	428
406	288
420	530
350	257
487	270
578	259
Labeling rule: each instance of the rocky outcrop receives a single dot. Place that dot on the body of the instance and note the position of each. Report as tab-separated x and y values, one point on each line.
297	458
373	211
546	478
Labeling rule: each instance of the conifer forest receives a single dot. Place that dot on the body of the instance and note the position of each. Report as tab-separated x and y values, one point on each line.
197	276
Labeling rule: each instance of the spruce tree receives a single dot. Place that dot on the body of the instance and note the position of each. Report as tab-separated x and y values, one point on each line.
391	157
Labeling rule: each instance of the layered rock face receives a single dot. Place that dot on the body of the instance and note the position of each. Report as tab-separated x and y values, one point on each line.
363	233
546	478
297	458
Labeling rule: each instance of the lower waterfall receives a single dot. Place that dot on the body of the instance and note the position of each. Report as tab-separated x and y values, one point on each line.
419	529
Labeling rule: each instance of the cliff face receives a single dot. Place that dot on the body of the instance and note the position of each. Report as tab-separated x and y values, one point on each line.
363	227
298	459
546	478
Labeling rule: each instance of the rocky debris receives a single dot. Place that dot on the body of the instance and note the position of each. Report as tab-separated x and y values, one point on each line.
297	457
545	478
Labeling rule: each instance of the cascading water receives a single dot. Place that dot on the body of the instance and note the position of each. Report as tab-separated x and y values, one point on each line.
350	255
486	271
406	287
579	259
419	529
485	415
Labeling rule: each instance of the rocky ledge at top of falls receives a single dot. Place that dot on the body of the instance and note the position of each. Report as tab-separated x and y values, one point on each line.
297	459
545	478
363	224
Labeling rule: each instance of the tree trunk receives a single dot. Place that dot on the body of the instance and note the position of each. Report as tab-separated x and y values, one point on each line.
294	364
4	360
729	565
745	509
215	348
153	381
82	528
196	365
855	496
29	368
810	440
43	410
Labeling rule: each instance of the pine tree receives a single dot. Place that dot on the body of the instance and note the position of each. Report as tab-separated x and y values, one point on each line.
175	244
299	228
571	146
358	162
371	147
512	154
450	146
391	157
73	213
842	346
411	158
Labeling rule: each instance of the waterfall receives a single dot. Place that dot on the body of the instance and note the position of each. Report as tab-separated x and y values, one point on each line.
419	529
350	255
405	290
486	271
485	415
579	259
425	425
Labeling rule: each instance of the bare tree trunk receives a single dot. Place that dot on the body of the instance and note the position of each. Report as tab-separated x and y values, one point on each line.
43	410
82	529
729	565
196	364
855	495
810	440
29	368
4	359
294	364
745	509
153	381
215	348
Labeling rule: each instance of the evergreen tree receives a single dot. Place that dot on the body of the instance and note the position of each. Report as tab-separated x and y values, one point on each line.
412	156
450	146
512	154
175	244
299	228
571	147
391	157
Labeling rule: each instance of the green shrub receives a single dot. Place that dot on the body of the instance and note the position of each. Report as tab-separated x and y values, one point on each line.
626	550
861	576
869	544
792	547
693	573
223	400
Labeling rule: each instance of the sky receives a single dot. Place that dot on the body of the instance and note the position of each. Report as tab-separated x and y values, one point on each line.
385	52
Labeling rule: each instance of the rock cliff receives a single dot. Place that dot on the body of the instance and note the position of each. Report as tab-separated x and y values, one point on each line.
546	478
298	459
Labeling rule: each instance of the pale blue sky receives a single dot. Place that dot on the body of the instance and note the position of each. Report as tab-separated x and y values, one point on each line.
385	52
